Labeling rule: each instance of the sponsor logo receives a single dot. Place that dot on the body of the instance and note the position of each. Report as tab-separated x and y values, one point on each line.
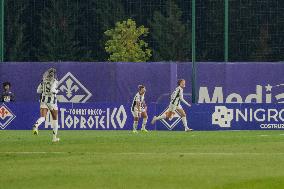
270	118
173	121
6	116
263	94
222	116
72	90
87	118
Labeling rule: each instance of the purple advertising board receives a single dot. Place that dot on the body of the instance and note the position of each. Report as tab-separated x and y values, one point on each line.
117	82
115	116
221	87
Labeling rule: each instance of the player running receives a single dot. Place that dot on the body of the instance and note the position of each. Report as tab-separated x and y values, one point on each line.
139	109
176	98
48	101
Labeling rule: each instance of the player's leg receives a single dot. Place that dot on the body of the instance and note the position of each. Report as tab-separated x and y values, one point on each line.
167	115
41	119
54	115
135	122
183	118
145	118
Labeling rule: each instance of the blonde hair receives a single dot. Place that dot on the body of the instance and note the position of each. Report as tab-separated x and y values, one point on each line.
49	74
179	81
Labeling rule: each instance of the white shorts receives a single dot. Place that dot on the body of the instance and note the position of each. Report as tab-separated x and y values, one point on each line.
173	107
135	113
48	106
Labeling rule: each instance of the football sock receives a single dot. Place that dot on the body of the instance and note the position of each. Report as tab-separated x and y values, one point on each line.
135	124
161	117
184	121
144	122
55	128
39	121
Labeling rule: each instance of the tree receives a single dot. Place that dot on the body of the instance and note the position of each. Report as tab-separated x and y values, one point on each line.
262	50
171	37
58	30
94	18
15	40
125	44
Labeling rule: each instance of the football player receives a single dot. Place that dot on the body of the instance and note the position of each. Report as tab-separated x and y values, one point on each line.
176	98
139	109
48	101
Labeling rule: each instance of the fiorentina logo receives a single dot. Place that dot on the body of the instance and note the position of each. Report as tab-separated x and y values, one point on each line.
173	121
71	90
6	116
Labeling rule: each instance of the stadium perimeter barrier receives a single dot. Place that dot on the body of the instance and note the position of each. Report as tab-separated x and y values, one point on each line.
98	96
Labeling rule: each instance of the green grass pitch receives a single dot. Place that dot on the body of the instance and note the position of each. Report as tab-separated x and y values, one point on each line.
158	159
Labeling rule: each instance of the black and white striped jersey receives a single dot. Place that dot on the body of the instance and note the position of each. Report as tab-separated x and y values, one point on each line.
48	91
177	97
137	99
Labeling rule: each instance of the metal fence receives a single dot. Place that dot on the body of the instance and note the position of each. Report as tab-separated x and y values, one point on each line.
52	30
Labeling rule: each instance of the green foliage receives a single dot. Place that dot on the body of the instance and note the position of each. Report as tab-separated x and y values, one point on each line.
59	42
172	38
125	44
65	30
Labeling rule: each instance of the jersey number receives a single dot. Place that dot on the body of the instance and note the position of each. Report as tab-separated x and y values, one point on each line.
46	87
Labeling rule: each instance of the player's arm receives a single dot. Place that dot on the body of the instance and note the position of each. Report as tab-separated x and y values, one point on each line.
39	88
182	99
144	105
54	89
138	105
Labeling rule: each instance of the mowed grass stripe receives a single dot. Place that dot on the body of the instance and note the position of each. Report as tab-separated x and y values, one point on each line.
121	159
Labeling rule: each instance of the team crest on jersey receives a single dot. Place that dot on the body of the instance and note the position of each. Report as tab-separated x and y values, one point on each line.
72	90
173	121
6	116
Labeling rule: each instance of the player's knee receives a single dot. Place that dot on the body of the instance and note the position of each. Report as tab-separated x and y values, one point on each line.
43	114
168	115
54	117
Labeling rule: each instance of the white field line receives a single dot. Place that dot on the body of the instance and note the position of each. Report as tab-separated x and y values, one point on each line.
149	153
33	152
